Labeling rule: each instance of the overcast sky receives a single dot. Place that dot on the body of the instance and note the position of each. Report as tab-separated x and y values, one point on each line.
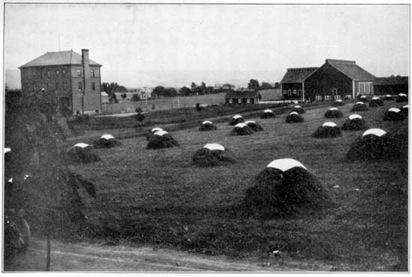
146	45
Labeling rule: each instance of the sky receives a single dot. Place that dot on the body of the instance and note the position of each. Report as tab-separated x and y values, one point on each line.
144	45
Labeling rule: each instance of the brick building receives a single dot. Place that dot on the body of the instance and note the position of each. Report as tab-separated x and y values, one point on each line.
70	79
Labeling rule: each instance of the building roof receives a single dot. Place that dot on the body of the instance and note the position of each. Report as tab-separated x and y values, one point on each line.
385	81
241	94
270	94
351	69
58	58
297	75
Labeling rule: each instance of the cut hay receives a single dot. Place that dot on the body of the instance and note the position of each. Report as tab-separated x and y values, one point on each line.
285	189
294	117
254	126
241	129
150	133
355	122
327	130
267	114
236	119
333	113
359	107
298	109
161	139
106	141
388	97
393	114
405	110
402	98
376	102
82	153
213	154
374	144
338	103
207	126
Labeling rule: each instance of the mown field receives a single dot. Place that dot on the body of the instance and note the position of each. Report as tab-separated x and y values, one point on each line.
157	197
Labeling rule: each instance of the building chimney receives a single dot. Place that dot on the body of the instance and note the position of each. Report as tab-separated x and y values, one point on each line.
86	70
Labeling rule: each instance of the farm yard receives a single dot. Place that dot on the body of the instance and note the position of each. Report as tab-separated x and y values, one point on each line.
160	198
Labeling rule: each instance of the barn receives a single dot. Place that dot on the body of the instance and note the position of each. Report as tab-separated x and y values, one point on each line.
338	79
242	97
391	85
293	83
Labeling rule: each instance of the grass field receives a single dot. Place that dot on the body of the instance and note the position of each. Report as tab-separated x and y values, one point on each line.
157	197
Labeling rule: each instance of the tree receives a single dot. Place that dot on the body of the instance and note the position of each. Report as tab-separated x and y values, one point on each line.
123	95
193	86
185	91
253	84
277	85
159	91
170	92
135	97
265	85
210	90
203	90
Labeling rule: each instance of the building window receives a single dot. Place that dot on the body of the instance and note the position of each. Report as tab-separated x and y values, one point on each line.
63	73
348	96
42	74
285	92
328	97
294	92
336	97
334	91
92	73
79	72
48	73
300	92
57	72
80	85
289	92
64	86
318	97
93	86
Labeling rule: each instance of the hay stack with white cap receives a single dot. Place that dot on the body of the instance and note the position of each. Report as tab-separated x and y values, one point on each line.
161	139
333	113
338	103
213	154
82	153
405	110
294	117
254	126
402	98
359	107
376	102
267	114
236	119
393	114
241	129
285	188
150	133
298	109
374	144
355	122
106	141
327	130
207	125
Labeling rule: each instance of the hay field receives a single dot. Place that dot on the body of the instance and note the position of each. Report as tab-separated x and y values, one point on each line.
157	197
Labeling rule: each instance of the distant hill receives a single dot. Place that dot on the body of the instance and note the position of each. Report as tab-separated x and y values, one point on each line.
12	78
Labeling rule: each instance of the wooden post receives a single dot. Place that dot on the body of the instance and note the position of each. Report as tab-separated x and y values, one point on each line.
48	252
303	92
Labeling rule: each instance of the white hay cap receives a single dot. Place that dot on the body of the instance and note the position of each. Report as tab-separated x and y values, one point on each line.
107	136
268	111
353	116
154	130
27	177
81	145
214	146
241	125
374	131
160	133
297	107
363	96
401	94
360	103
395	110
237	116
10	180
388	95
294	113
405	107
376	98
333	109
7	150
285	164
207	122
329	124
250	122
339	100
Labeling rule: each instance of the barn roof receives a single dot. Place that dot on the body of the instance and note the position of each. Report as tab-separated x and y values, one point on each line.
241	94
58	58
351	69
297	75
384	81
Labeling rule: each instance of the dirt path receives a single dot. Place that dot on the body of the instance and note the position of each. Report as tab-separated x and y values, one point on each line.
89	257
